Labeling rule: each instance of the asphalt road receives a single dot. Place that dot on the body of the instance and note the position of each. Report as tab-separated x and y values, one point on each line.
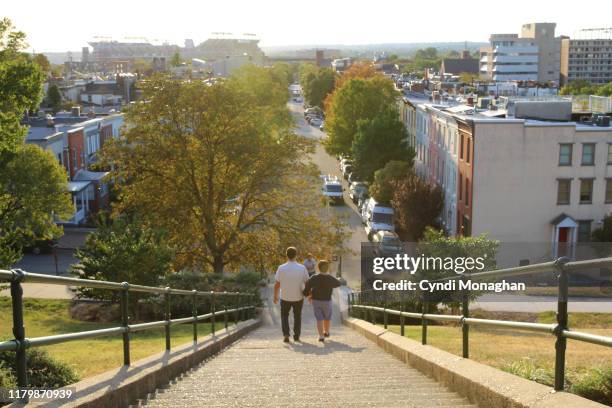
351	262
351	266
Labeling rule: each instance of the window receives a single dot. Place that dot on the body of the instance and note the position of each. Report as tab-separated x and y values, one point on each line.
609	153
588	154
586	191
565	154
467	192
467	149
563	191
461	148
584	231
608	191
460	186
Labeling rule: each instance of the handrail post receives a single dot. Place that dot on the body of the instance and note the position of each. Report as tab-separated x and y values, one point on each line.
385	317
125	322
348	301
424	310
225	310
465	327
212	310
195	315
402	319
562	324
168	317
19	329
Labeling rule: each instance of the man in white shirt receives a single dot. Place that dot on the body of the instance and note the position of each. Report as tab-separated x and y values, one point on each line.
290	280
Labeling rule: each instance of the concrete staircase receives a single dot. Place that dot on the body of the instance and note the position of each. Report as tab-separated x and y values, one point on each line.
261	371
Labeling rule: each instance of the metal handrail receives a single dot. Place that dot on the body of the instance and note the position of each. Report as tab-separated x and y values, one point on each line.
560	329
16	277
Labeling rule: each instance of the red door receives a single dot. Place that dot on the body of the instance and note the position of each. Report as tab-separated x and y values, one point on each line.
563	234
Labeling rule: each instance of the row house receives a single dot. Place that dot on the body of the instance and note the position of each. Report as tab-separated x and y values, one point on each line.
75	142
528	172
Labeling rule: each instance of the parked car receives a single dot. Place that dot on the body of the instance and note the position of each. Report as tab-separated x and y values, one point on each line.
358	190
344	162
378	217
352	177
332	189
387	243
322	127
348	169
316	122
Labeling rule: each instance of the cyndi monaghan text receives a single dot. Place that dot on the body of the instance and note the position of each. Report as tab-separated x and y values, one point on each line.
427	286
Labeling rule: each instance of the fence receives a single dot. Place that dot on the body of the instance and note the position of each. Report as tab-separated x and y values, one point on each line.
245	308
358	306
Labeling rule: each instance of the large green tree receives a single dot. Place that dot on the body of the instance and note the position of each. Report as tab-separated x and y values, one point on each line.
357	99
32	183
218	168
54	97
386	179
378	141
316	84
122	250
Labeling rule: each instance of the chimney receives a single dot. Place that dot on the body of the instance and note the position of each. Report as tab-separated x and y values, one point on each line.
470	101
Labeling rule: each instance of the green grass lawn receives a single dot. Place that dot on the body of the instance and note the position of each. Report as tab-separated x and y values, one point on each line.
45	317
532	355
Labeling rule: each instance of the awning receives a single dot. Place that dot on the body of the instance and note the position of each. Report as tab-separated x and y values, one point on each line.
76	186
86	175
563	220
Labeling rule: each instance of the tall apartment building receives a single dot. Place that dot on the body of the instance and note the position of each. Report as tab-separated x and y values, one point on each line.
534	56
587	57
521	172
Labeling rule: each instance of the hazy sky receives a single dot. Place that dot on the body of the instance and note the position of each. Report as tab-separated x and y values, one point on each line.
68	25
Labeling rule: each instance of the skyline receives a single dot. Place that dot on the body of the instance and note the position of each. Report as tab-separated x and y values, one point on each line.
296	24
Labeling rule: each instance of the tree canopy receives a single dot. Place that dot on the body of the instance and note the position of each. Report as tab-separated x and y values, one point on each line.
582	87
386	178
378	141
417	206
218	168
357	99
316	84
32	183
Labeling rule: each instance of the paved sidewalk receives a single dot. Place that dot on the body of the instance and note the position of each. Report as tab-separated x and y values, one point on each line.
262	371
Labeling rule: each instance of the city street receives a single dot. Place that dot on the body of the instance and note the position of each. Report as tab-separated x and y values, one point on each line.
351	262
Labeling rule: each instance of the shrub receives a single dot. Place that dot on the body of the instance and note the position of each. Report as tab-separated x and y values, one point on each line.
7	379
594	384
44	371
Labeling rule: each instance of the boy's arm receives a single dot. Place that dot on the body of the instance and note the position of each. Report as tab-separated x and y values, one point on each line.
307	288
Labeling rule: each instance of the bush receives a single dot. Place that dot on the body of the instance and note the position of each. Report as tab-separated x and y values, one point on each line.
7	379
594	384
43	370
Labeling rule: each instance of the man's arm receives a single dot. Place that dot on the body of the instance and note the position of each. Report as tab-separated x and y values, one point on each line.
276	290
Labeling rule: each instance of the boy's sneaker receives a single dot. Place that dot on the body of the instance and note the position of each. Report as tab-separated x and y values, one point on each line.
286	339
322	339
326	334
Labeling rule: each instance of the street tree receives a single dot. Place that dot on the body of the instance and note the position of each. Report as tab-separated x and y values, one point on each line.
33	187
357	99
54	97
386	179
378	141
317	84
43	63
176	59
417	205
123	249
359	69
458	249
218	168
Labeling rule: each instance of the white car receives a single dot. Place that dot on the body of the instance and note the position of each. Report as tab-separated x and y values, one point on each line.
316	122
332	189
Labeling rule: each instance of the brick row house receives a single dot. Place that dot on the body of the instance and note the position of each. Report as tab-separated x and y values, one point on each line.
521	171
75	142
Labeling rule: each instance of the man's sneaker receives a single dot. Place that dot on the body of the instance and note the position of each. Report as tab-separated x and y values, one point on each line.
326	334
296	338
286	339
322	339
